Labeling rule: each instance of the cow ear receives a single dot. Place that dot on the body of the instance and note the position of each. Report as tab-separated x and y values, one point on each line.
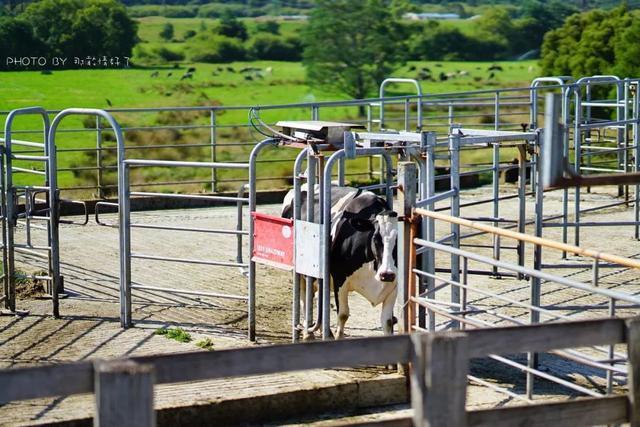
361	224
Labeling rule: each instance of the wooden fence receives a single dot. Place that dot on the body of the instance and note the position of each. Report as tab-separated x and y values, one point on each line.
123	388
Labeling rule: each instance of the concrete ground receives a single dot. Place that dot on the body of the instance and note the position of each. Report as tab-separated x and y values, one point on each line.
89	327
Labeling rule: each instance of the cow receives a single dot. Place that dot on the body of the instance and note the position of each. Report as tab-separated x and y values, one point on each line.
363	251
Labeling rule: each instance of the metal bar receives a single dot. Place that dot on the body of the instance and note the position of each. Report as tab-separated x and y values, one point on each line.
30	158
590	224
193	229
438	197
190	196
187	292
187	260
252	208
170	163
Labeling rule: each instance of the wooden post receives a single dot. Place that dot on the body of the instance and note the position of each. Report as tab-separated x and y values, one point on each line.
633	351
124	394
407	181
439	380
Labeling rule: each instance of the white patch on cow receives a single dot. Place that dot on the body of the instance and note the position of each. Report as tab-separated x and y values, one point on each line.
388	226
364	282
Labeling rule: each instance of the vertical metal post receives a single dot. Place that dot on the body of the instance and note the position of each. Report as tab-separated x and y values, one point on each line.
54	218
496	183
450	114
496	202
566	105
407	115
239	220
533	116
99	171
534	315
251	306
610	350
312	170
325	209
621	134
636	156
407	197
465	281
213	141
124	212
370	129
522	203
577	141
11	216
429	144
297	214
3	215
454	147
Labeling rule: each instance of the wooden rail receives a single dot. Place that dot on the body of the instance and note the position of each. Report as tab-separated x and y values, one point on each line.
124	387
592	253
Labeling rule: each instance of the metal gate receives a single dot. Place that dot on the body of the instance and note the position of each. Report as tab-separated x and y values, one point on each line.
23	214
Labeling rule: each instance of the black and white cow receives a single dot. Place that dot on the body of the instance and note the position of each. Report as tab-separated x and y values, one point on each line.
363	251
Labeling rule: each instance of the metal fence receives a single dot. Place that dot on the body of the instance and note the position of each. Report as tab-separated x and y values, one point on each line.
440	301
86	154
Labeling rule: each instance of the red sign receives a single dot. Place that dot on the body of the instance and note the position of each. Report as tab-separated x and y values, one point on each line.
272	240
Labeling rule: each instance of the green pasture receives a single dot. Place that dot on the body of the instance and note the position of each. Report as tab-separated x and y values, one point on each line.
212	84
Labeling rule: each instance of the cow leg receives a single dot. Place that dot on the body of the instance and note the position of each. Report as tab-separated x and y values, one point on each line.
306	333
386	314
343	310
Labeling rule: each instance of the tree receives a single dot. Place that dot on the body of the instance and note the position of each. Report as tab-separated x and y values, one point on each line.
351	46
167	31
594	42
269	26
82	27
214	48
230	26
275	48
17	40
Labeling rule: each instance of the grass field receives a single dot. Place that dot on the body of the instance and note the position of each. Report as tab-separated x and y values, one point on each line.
130	88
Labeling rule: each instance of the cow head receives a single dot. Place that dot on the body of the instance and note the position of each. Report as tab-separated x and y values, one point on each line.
384	246
384	231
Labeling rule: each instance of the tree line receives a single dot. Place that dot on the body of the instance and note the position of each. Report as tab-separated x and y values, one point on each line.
352	45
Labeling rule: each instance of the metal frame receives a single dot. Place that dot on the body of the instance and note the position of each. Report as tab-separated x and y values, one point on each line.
125	232
407	109
12	215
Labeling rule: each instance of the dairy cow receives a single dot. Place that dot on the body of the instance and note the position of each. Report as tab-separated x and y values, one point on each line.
363	251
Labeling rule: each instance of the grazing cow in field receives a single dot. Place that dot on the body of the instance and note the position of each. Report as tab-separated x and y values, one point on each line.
363	251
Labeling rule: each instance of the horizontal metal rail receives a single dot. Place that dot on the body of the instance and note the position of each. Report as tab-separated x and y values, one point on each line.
188	260
170	163
187	292
190	196
190	229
